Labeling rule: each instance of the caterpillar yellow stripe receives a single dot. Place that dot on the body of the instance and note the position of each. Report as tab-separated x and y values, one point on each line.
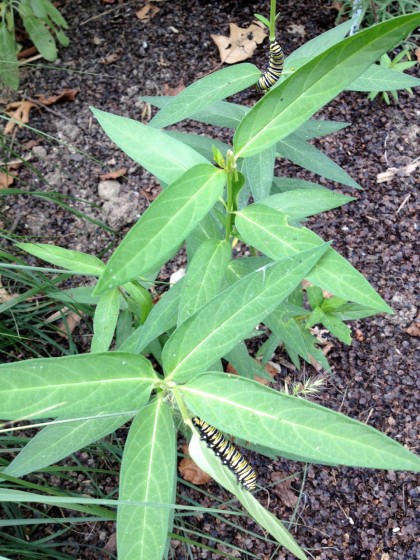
274	70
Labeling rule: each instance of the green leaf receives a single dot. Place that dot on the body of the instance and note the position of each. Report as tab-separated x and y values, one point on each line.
59	440
166	158
105	320
204	276
335	326
243	363
9	69
164	226
208	228
161	319
318	45
82	295
54	14
209	89
140	300
221	113
74	385
210	463
287	184
259	171
299	204
286	107
379	78
252	412
148	476
268	231
201	144
315	128
218	326
305	155
75	261
41	37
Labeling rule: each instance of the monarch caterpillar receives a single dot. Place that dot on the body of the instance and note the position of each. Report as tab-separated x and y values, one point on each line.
228	453
274	70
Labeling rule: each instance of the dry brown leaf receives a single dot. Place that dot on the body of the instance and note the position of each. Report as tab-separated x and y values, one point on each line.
113	57
65	95
297	29
241	43
336	6
282	489
18	111
417	53
271	368
167	90
4	294
192	472
27	53
147	12
6	179
414	329
69	324
113	174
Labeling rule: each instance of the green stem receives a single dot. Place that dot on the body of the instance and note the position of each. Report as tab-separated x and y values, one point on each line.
229	205
181	406
272	20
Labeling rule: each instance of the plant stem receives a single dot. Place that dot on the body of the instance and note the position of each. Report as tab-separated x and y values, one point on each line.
229	205
272	20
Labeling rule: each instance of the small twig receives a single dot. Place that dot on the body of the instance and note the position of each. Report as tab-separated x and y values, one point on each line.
47	108
403	203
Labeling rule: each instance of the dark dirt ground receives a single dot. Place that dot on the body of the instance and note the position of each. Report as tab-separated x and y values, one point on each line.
349	514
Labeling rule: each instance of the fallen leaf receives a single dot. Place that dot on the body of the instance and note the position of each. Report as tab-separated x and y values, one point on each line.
6	179
271	368
27	53
111	544
241	43
66	325
336	6
297	29
283	489
113	174
147	12
65	95
4	294
18	111
175	90
417	53
113	57
414	328
192	472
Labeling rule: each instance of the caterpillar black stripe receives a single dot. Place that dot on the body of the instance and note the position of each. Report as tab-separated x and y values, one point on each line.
274	70
228	453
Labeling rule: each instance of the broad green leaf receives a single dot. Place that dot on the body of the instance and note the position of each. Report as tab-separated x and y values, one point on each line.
59	440
81	295
268	231
315	128
208	228
75	385
380	78
148	475
166	158
221	113
299	204
75	261
259	171
201	144
54	14
240	359
161	319
204	276
218	326
286	107
207	90
210	463
140	300
250	411
305	155
105	320
9	69
286	184
41	37
164	226
318	45
334	325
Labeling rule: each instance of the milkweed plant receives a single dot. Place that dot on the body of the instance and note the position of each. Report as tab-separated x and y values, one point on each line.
163	367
